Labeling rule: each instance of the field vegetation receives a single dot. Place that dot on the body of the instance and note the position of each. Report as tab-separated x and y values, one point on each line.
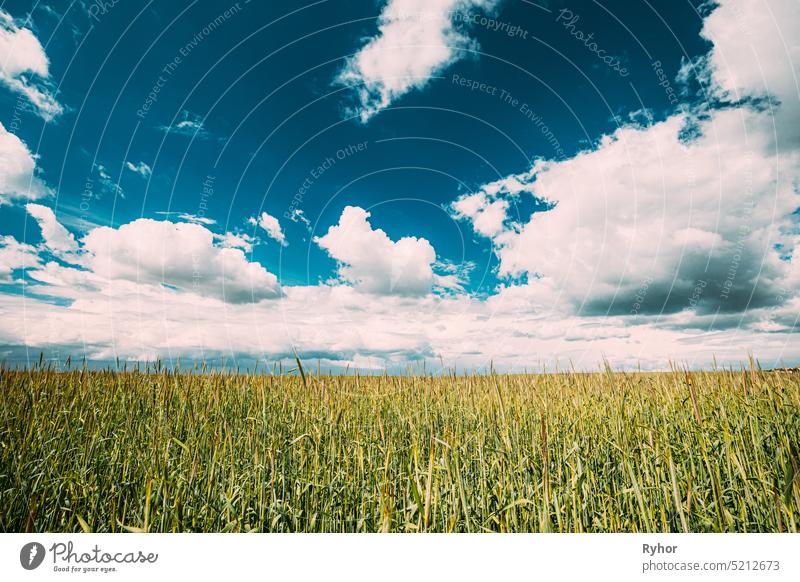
176	451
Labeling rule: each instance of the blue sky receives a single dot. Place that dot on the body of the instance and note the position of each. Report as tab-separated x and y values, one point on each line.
378	184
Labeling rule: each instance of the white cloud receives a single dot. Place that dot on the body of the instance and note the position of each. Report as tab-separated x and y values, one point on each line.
18	178
57	239
756	53
180	255
24	66
141	168
646	209
183	257
487	209
236	241
416	40
298	216
107	183
188	124
197	219
186	217
487	216
370	261
15	255
271	226
689	213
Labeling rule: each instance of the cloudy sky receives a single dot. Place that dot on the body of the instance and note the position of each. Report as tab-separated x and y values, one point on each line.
385	184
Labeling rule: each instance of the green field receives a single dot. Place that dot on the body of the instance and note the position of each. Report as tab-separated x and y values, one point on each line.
570	452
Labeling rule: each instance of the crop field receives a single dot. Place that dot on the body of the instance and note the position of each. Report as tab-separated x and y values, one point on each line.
168	451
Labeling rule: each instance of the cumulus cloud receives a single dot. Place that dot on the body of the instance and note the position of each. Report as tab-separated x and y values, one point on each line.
756	54
487	216
236	241
488	208
416	40
693	213
649	223
372	262
271	226
25	68
184	257
180	255
18	179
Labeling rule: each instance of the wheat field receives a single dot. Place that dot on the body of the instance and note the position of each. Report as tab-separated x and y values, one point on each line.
176	451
